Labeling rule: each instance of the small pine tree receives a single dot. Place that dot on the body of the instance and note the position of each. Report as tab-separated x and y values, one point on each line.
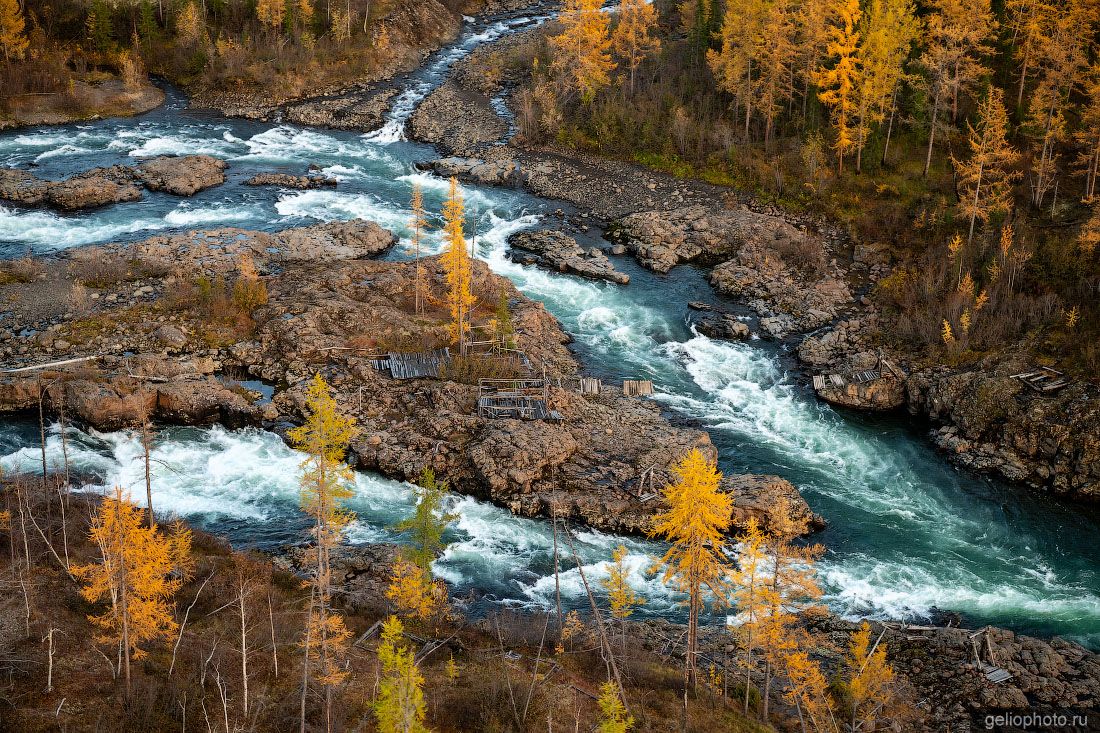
400	706
412	591
190	26
428	522
506	331
870	678
985	180
613	715
695	522
748	595
134	572
418	222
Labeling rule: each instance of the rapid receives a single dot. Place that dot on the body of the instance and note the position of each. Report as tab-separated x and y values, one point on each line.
908	534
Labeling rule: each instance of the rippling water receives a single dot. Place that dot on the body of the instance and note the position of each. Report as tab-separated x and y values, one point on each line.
908	533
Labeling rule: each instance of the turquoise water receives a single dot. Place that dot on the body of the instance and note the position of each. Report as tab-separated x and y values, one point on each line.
908	533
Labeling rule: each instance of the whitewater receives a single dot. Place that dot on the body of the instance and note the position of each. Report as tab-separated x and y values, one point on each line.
908	534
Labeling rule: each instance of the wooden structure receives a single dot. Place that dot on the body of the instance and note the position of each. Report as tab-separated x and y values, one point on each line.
589	385
1043	380
979	642
413	365
883	370
637	387
519	399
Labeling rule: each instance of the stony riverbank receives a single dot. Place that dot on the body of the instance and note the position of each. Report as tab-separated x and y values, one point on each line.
804	278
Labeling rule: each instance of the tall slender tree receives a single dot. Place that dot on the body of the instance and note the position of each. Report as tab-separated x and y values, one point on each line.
12	38
418	223
633	38
870	678
456	265
840	83
326	483
400	706
697	516
985	180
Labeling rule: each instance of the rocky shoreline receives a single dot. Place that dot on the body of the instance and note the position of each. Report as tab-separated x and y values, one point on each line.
803	277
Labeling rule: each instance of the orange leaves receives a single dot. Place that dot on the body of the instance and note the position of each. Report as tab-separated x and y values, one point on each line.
870	677
413	593
622	597
134	574
328	641
839	83
12	38
695	523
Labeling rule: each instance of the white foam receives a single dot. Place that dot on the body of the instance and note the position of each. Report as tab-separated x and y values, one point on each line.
45	230
336	205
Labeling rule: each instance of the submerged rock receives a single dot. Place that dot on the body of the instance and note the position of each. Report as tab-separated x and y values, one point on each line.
559	251
22	187
723	326
475	170
97	187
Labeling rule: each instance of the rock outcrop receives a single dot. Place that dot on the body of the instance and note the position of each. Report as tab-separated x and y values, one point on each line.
723	326
474	170
181	176
558	251
286	180
459	121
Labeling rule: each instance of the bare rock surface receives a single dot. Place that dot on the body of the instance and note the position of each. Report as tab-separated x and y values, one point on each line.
558	251
475	170
286	180
182	176
97	187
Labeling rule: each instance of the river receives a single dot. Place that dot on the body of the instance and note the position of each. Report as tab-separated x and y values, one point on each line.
908	533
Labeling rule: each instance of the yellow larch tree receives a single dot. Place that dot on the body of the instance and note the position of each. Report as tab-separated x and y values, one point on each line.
774	53
889	28
418	223
400	706
325	484
1030	21
456	266
733	63
1062	63
985	179
633	38
790	588
839	83
620	596
614	717
12	38
412	591
1088	134
190	26
697	516
808	690
135	573
270	13
812	18
956	35
581	52
749	597
870	678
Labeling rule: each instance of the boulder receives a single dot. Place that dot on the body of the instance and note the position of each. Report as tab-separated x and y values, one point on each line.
559	251
22	187
182	176
475	170
97	187
759	496
723	326
285	180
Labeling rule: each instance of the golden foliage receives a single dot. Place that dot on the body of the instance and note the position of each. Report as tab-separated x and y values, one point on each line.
456	266
870	677
633	39
985	180
613	715
12	38
413	593
621	596
839	84
581	55
400	705
190	27
134	573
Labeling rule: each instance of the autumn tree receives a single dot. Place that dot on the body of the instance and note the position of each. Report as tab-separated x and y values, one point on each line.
773	55
249	291
580	52
808	691
325	484
633	38
790	587
418	223
889	28
870	678
839	83
748	595
135	573
400	706
733	63
270	13
620	595
1063	61
1030	21
614	717
696	517
190	27
411	588
12	38
985	179
955	38
456	265
1088	135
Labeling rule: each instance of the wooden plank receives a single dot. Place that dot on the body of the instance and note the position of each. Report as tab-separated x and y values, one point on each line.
49	365
819	382
837	380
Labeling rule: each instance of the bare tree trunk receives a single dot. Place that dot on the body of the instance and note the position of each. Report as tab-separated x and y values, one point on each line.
305	662
241	597
932	133
974	211
271	621
890	125
148	472
49	667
